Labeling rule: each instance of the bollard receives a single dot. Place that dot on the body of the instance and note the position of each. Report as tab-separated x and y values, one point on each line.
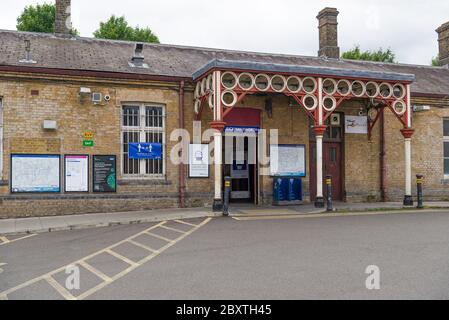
227	196
329	193
419	183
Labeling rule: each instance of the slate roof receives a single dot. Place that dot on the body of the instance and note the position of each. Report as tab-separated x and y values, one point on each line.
301	69
87	54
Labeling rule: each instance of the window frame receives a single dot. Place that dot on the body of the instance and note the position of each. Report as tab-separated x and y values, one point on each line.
445	140
142	130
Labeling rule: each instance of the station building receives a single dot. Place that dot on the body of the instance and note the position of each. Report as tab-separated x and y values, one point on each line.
72	108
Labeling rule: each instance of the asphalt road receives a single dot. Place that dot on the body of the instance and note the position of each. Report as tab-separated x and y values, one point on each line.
299	258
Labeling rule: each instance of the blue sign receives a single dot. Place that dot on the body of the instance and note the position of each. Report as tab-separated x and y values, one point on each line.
143	150
237	129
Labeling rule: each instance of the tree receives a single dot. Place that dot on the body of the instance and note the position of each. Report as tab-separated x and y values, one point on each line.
435	61
117	28
380	55
39	18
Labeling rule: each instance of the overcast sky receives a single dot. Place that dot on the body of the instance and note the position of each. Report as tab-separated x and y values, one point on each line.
277	26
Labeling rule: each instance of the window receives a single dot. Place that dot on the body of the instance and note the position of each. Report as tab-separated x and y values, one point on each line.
143	123
333	129
1	138
446	147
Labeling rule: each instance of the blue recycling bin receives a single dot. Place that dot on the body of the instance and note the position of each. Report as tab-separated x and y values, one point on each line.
287	191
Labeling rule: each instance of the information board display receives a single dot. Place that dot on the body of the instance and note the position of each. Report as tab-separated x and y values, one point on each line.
141	150
104	173
199	161
32	173
288	160
76	173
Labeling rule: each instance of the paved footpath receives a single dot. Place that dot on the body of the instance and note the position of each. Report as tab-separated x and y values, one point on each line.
80	221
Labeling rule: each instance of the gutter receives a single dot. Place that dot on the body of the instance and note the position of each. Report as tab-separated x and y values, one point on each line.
93	74
182	186
382	156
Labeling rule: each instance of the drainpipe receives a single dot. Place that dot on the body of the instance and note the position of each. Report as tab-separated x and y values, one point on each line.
382	156
182	186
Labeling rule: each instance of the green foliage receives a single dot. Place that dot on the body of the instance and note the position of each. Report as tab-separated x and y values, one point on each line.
39	18
380	55
117	28
435	61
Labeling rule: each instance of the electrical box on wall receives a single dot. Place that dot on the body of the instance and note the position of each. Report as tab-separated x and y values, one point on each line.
50	125
421	108
97	97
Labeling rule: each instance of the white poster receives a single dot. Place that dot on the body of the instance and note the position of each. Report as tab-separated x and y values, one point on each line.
356	124
199	161
77	173
288	160
35	173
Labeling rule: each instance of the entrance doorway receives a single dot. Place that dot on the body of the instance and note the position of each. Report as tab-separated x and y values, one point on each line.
332	157
240	153
240	163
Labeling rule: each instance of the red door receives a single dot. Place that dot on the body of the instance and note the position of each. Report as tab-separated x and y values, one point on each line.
331	165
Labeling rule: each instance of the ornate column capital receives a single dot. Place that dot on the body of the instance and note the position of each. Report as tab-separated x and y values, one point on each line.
218	125
319	130
407	132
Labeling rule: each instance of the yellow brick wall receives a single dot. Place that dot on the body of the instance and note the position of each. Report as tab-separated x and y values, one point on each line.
24	114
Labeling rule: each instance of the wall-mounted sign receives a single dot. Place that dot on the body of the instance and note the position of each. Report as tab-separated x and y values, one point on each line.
104	173
199	161
88	135
143	150
76	173
31	173
356	124
242	130
288	160
88	143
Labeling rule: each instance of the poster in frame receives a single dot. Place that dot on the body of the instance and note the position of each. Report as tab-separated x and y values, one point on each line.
76	173
35	173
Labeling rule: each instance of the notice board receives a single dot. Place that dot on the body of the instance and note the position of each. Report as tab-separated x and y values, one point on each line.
288	160
199	161
35	173
76	168
104	173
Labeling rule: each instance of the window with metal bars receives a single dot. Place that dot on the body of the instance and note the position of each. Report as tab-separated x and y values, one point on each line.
143	123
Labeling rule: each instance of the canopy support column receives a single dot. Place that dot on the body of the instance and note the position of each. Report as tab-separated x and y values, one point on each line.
218	125
320	128
319	133
407	132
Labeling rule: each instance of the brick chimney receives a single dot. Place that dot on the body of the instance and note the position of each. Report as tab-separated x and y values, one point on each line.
63	24
328	28
443	40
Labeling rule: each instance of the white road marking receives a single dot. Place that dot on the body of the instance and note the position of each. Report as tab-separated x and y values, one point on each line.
61	290
159	237
95	271
186	223
138	244
107	280
7	241
334	214
119	256
173	229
